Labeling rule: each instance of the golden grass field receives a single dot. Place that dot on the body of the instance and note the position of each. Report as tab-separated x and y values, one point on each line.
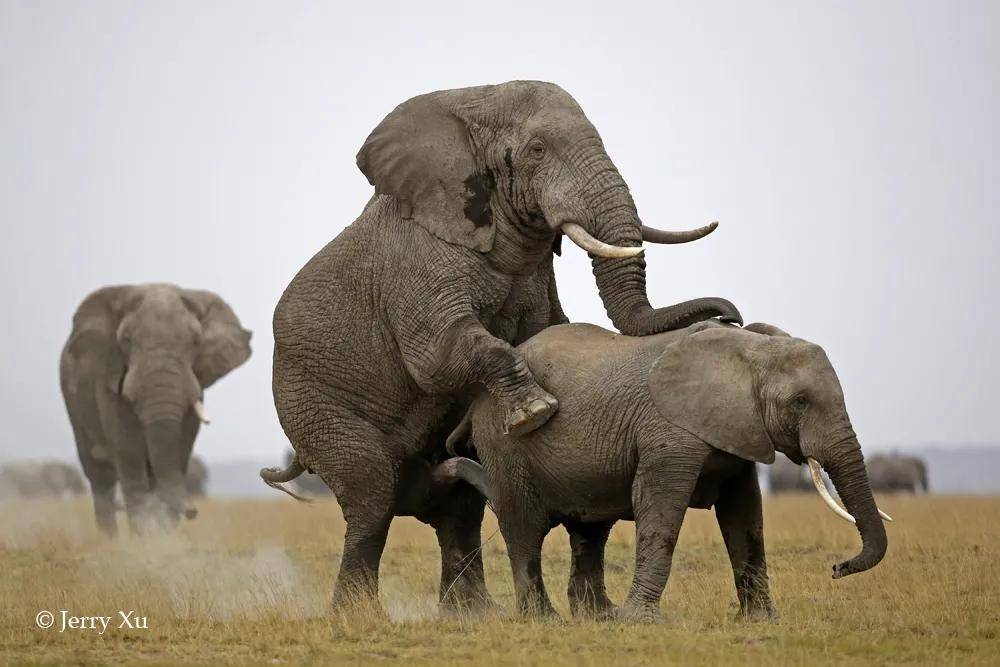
249	581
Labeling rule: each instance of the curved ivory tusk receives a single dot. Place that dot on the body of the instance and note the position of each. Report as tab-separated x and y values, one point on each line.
817	477
199	409
654	235
579	236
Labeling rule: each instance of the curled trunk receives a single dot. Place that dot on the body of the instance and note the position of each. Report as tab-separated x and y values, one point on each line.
846	468
622	286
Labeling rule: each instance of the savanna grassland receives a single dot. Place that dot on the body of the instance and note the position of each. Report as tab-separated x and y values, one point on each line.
249	581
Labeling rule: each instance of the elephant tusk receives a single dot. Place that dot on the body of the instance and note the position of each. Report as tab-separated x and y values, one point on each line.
199	410
582	238
817	478
653	235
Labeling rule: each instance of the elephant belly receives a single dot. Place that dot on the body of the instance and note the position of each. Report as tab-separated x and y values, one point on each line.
582	483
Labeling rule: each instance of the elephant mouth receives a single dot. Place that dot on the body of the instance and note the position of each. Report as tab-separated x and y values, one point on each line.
598	248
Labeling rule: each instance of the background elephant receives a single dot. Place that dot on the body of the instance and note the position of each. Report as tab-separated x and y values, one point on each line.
133	373
649	427
40	479
422	296
196	479
897	472
785	475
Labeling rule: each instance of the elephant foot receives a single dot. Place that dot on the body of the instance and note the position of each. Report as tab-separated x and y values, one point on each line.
586	602
762	611
639	613
601	610
530	412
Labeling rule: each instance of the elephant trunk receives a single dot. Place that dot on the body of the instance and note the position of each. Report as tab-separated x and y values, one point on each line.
164	439
621	283
846	467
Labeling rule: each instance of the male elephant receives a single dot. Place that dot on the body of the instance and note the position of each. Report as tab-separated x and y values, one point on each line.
40	479
649	427
133	375
424	294
897	472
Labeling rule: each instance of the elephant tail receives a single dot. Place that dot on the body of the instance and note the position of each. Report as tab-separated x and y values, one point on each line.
459	435
275	477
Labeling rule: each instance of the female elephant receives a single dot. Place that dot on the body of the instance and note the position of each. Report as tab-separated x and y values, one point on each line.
895	472
422	296
649	427
133	373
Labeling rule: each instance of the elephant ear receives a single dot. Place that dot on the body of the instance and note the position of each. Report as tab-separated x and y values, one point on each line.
704	383
93	345
421	154
225	344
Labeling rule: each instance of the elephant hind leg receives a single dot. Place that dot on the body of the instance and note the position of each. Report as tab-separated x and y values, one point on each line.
458	524
586	592
352	460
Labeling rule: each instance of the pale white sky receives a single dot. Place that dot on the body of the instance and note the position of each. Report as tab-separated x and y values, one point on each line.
849	150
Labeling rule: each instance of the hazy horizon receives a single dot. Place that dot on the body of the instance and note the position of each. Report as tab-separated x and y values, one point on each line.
849	151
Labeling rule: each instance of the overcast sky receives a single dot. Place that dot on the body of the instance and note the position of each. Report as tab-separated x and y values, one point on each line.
849	151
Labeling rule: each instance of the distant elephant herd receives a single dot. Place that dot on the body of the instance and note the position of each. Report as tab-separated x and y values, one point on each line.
423	366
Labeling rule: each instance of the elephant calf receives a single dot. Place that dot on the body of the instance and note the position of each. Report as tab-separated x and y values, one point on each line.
649	427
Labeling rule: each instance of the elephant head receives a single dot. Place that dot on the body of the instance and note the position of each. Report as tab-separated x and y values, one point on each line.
156	348
520	163
751	393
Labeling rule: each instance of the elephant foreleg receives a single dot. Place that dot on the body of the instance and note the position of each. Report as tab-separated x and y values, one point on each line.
467	354
661	491
586	592
738	510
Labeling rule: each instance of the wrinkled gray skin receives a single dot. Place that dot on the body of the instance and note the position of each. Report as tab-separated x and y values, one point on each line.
137	360
40	479
307	484
649	427
785	476
423	296
896	472
196	479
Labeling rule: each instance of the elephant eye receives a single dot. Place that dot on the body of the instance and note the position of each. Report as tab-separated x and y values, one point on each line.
800	402
536	149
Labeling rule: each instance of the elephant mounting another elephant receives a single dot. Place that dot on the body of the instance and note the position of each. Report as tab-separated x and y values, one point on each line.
383	333
133	374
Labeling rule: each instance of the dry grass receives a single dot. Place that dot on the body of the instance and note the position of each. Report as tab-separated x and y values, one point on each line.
248	581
